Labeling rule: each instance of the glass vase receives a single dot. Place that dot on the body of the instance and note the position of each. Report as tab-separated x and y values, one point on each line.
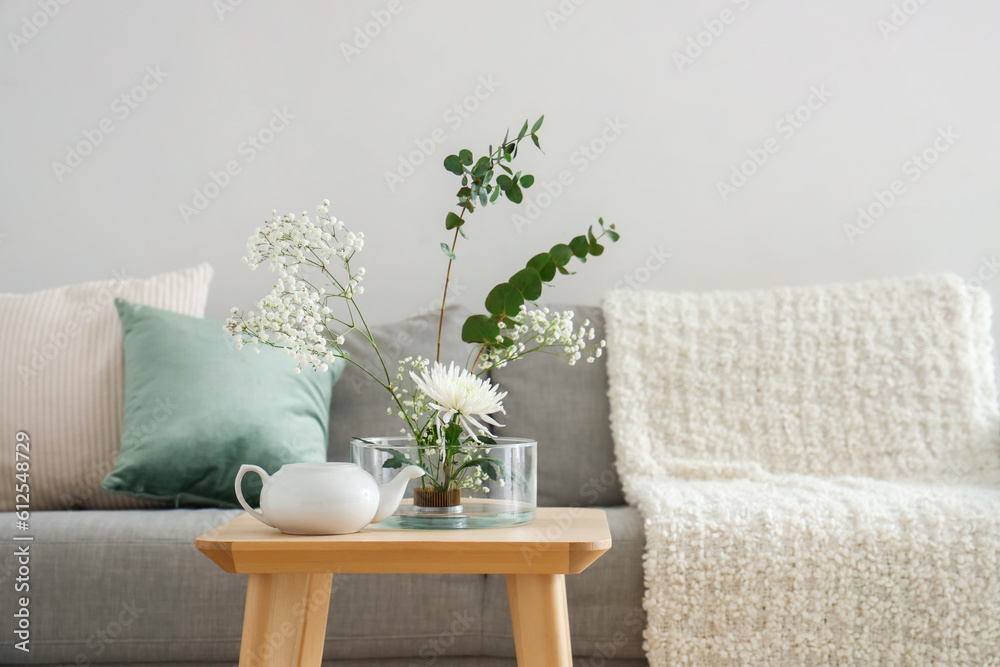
499	490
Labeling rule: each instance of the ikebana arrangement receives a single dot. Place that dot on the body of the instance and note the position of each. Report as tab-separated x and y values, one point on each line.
447	409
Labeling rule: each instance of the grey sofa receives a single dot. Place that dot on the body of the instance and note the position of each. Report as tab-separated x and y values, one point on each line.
129	587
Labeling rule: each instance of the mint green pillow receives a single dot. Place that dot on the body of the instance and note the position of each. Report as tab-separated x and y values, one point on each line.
196	408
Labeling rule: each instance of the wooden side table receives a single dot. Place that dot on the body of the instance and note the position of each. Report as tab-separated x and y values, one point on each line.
288	595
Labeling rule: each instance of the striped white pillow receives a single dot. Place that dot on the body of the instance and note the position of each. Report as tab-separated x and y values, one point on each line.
62	382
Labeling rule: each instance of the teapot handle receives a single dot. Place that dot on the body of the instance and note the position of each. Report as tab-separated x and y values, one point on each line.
244	469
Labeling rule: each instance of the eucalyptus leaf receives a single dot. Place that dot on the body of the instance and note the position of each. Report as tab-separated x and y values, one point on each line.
465	155
453	164
524	131
452	221
514	194
504	299
544	264
480	329
538	124
561	254
580	247
528	282
527	181
447	251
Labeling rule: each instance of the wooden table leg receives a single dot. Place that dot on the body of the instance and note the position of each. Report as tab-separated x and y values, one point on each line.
284	622
541	620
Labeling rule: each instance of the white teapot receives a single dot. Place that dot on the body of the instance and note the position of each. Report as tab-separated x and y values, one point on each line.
324	498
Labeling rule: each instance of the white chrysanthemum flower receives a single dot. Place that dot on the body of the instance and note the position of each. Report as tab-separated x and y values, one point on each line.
456	391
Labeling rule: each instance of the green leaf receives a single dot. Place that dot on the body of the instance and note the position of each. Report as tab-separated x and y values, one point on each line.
480	329
527	181
453	164
487	440
447	251
506	168
482	166
524	131
495	195
395	460
528	282
514	194
614	236
580	247
596	249
482	197
544	264
453	221
534	138
561	254
504	299
565	271
462	232
590	235
504	182
538	124
488	468
465	155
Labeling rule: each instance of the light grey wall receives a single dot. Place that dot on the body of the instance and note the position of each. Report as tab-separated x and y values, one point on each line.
887	80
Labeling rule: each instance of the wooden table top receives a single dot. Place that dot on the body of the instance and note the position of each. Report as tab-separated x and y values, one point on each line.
560	540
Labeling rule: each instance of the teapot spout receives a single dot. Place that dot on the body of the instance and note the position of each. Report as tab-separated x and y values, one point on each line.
391	493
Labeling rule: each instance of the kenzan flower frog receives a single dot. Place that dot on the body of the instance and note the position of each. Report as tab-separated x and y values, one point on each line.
324	498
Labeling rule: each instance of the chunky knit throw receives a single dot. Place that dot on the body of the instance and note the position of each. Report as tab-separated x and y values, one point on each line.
819	472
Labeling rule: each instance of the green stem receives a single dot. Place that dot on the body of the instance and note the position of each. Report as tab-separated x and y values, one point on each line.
444	297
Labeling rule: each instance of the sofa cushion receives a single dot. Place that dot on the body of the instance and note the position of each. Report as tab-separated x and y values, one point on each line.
197	408
565	408
61	381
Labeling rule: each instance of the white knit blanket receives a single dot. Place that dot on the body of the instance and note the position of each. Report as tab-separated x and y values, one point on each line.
819	472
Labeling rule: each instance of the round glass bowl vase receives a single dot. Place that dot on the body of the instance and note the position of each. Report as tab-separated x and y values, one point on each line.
496	488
